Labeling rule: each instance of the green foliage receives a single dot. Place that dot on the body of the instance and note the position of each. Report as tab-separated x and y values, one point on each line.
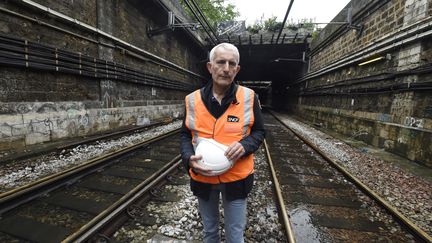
214	10
315	35
254	29
293	27
306	24
272	25
269	24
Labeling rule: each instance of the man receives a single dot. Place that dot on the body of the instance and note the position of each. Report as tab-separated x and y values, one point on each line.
231	115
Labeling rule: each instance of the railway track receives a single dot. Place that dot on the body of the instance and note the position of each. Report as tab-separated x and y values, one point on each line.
78	204
32	154
91	202
324	205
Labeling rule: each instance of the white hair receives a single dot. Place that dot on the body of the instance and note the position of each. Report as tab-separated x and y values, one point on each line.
226	46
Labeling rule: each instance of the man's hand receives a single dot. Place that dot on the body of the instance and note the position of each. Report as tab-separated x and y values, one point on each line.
193	163
234	151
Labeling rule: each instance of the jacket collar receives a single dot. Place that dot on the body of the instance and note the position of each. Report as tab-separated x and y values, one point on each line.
207	94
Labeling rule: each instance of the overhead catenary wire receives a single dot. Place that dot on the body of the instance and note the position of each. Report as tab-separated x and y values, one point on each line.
181	20
203	21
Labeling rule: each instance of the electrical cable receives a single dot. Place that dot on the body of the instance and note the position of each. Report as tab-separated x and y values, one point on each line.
205	20
199	20
23	54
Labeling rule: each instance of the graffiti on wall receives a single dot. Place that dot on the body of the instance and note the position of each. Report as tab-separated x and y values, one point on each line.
384	117
47	121
413	122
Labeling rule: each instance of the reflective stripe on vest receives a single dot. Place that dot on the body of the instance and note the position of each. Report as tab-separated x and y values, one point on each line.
233	125
248	109
190	108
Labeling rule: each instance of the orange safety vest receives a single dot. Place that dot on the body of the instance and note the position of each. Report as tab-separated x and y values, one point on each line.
233	125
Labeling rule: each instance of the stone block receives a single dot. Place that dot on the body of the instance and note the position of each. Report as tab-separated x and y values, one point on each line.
376	141
389	144
383	132
64	131
35	138
5	131
19	129
12	143
404	136
11	119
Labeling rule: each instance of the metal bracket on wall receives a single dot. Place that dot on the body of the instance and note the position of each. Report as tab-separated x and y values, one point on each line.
349	24
171	26
358	28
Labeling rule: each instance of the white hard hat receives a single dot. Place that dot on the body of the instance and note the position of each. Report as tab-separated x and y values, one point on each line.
213	157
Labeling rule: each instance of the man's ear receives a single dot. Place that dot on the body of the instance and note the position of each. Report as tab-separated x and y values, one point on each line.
238	69
209	65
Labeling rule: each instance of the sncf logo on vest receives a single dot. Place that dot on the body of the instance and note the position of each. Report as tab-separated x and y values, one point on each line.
232	119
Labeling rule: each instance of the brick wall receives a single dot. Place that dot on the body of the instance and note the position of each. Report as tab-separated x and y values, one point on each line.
383	21
385	103
38	105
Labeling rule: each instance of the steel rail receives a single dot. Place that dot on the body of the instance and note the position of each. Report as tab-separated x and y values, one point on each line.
20	195
92	227
414	229
285	217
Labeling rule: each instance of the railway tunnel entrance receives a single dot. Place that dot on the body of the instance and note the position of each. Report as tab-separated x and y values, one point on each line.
270	68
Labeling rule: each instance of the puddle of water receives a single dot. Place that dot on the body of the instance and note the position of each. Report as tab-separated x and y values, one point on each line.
304	230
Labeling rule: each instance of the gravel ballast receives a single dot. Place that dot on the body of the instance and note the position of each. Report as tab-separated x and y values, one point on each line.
408	193
15	174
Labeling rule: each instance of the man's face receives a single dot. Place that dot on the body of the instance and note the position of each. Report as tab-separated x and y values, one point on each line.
223	68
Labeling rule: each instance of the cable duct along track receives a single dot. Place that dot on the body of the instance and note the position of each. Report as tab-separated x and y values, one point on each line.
349	83
99	32
406	35
20	53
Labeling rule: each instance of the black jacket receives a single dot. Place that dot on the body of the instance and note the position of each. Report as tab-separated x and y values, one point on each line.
237	189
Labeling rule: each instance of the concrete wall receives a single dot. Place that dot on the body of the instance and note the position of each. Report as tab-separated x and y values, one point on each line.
386	103
46	103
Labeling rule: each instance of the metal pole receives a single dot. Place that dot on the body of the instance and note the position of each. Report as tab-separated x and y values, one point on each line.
284	21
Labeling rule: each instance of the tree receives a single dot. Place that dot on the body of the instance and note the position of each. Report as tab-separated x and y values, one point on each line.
214	10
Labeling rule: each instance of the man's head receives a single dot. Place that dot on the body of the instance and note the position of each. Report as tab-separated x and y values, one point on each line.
223	64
